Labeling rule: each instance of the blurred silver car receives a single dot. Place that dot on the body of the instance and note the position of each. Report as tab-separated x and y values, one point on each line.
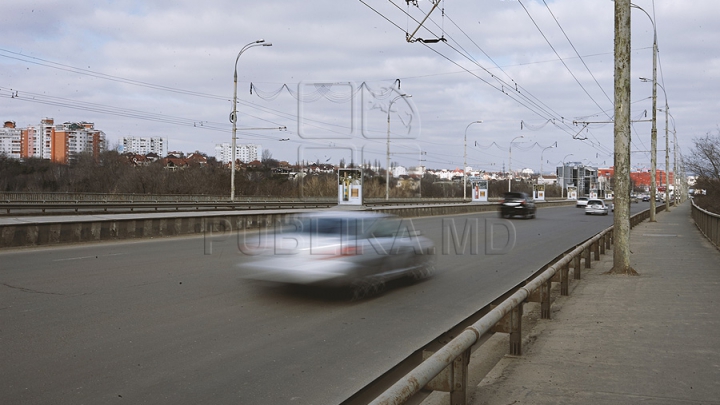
360	250
596	207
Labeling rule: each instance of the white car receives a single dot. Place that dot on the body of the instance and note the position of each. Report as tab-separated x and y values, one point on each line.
581	202
360	250
597	207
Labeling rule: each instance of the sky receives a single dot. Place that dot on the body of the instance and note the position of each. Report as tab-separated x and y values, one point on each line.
538	74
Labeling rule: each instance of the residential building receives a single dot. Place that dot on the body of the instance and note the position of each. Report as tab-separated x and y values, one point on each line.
10	140
245	153
145	145
61	143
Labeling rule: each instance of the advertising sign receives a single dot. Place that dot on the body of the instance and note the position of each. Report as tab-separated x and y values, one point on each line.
539	192
572	193
479	189
349	187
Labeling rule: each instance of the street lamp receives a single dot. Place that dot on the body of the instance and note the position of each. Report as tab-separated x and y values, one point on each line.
541	156
233	116
562	190
510	161
387	167
653	130
465	159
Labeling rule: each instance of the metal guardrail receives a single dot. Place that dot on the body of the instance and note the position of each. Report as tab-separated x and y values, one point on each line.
93	207
47	197
88	203
447	368
708	223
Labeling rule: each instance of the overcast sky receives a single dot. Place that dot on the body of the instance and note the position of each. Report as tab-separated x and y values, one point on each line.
165	68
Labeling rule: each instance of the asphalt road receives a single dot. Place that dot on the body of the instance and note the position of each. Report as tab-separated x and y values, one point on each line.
160	322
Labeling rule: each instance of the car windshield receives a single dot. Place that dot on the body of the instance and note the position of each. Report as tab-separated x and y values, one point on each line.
329	226
595	202
380	226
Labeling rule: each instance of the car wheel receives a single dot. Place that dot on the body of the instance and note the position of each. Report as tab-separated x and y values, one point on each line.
425	268
365	288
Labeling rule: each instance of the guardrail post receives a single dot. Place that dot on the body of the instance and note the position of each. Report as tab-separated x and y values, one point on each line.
458	395
577	272
511	323
564	279
596	249
452	379
608	238
588	261
542	295
545	304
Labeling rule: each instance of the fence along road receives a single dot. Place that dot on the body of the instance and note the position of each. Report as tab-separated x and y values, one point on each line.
159	322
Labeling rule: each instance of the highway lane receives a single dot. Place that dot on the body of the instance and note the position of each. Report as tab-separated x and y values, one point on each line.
159	322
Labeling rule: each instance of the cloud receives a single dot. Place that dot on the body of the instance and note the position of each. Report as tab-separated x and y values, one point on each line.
165	68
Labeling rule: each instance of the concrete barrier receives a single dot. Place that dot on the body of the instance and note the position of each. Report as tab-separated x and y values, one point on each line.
43	231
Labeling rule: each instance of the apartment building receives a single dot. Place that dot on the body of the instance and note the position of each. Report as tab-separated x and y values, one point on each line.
245	153
10	140
61	143
145	145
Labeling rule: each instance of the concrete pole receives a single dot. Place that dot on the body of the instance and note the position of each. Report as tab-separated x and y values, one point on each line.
465	160
233	116
653	138
387	161
510	162
653	131
667	159
621	251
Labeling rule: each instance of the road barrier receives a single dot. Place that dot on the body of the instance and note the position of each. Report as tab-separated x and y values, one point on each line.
52	230
446	369
708	223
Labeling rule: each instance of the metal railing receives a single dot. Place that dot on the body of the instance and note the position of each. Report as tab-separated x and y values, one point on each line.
47	197
708	223
447	368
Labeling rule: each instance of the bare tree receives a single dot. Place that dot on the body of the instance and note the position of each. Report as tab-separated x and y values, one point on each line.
704	159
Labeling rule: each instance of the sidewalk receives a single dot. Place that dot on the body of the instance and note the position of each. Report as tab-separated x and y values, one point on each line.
652	339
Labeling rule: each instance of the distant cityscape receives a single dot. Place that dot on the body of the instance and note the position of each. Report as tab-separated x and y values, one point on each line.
62	142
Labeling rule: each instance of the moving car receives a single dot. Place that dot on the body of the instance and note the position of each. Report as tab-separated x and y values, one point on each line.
359	250
596	207
581	202
517	204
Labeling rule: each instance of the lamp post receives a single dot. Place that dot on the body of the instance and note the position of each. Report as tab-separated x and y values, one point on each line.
653	130
465	159
387	166
541	157
667	142
233	116
562	191
510	162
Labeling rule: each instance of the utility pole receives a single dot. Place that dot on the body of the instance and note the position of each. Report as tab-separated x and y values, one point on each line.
667	158
621	249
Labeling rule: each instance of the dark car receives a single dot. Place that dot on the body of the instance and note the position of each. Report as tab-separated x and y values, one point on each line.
517	204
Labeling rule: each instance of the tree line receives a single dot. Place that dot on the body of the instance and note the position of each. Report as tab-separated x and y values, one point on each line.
113	173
